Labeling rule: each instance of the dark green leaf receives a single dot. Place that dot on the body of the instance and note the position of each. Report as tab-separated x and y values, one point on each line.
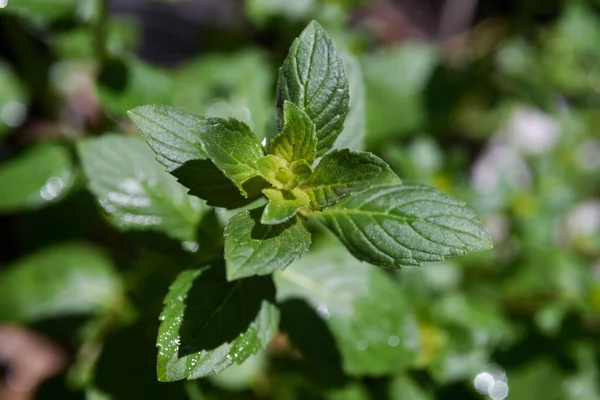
365	310
208	324
173	134
41	175
68	279
234	149
297	140
255	249
283	205
134	189
397	225
205	180
344	171
312	77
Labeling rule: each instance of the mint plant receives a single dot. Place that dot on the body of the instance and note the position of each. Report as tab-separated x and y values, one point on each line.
215	316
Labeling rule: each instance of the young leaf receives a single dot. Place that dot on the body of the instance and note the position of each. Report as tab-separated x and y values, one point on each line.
275	170
255	249
283	205
234	149
301	170
134	190
369	317
173	134
41	175
70	279
344	171
312	77
391	226
297	140
208	324
175	137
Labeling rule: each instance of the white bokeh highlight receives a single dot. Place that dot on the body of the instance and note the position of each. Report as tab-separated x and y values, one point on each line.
492	381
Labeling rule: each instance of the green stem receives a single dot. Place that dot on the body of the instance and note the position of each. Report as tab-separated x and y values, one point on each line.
193	391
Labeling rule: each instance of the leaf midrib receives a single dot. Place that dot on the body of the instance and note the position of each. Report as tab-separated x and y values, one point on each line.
402	219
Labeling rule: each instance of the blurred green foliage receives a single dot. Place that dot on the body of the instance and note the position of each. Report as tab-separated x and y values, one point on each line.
505	117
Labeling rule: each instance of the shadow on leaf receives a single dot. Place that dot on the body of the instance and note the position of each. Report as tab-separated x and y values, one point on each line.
310	334
205	180
264	232
218	311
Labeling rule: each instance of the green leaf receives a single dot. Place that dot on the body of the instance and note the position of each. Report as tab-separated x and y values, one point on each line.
355	130
69	279
275	170
260	11
302	170
234	149
352	391
208	324
93	393
312	77
366	312
397	225
173	134
43	174
344	171
220	88
395	81
404	388
41	9
13	98
297	140
122	37
127	83
255	249
205	180
134	190
283	205
242	377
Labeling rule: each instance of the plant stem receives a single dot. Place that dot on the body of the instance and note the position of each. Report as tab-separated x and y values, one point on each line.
101	30
193	391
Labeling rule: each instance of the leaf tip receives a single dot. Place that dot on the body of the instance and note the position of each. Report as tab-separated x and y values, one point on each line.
314	25
134	112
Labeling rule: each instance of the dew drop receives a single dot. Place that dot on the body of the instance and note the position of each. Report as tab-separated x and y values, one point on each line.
323	311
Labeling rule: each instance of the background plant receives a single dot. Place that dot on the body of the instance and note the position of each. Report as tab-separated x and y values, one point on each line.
503	117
